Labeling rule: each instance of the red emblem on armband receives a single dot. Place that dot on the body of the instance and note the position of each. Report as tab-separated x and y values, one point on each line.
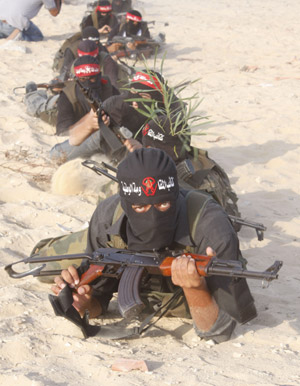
145	129
150	186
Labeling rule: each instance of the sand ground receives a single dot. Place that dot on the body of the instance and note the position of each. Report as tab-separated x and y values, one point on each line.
246	55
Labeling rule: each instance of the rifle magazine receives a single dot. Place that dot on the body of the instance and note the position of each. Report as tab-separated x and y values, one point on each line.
129	301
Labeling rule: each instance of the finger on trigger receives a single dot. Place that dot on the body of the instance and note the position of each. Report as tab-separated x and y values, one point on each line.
210	252
73	271
59	282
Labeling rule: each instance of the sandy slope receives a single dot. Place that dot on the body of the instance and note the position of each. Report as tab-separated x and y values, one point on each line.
246	56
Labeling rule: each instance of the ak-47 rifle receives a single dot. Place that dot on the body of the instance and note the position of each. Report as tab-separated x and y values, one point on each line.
102	169
115	136
55	87
129	267
134	39
134	46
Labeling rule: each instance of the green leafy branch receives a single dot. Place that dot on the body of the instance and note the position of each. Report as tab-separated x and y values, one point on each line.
180	111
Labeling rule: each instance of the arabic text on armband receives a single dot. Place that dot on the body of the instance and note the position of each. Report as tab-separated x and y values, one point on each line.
131	188
166	185
158	136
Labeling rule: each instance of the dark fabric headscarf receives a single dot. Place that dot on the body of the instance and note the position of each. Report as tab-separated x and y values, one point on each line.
90	33
133	22
158	134
88	47
85	67
148	82
149	176
103	7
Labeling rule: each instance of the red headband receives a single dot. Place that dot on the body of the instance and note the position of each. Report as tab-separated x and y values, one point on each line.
147	80
132	17
92	53
104	8
87	70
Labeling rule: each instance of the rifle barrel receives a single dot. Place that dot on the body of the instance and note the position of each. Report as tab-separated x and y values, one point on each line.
269	274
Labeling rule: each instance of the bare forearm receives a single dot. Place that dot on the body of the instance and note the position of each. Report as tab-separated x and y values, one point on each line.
80	131
13	34
202	305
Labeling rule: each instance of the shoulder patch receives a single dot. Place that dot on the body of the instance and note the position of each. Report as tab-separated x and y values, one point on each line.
104	81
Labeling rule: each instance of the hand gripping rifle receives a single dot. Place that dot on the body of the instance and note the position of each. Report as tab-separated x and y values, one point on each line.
114	137
129	267
141	46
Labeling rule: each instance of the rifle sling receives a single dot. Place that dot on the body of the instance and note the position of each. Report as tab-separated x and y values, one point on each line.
145	324
62	306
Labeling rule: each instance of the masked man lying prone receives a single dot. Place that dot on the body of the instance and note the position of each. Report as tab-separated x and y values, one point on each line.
152	215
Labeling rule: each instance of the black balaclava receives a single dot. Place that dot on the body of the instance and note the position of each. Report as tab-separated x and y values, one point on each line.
86	66
90	33
149	176
103	7
131	17
158	134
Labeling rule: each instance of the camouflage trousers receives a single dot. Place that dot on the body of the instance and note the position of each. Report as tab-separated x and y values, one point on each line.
40	104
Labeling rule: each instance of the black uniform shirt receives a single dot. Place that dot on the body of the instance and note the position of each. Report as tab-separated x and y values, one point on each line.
213	229
67	116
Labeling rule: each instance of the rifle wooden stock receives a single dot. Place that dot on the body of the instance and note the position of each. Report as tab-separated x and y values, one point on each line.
51	86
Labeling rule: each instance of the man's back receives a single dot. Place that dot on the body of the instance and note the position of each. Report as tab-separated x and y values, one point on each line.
18	13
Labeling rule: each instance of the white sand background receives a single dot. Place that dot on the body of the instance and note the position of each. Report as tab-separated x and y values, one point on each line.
246	54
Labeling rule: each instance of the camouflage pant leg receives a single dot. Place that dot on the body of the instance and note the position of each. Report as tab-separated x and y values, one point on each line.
39	104
35	101
67	244
49	111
